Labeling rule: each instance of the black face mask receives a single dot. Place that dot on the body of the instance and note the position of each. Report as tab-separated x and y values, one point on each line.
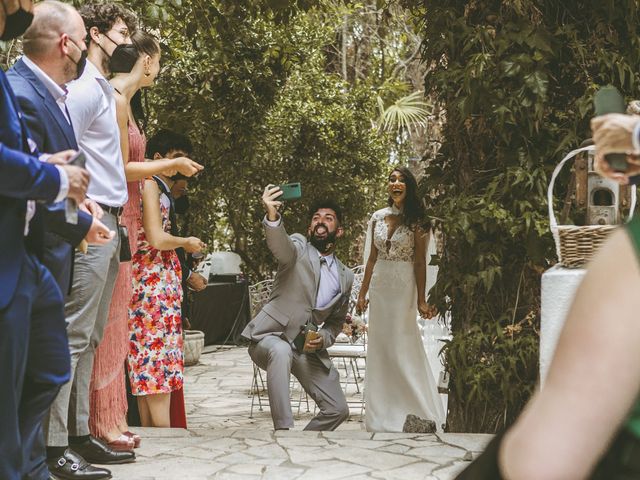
16	24
82	61
123	58
323	245
181	205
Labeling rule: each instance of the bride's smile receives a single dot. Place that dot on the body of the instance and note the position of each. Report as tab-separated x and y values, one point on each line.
397	187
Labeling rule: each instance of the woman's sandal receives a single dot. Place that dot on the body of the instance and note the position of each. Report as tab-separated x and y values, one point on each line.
136	438
122	443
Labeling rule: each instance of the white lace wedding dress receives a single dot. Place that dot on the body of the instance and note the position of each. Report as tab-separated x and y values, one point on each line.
398	379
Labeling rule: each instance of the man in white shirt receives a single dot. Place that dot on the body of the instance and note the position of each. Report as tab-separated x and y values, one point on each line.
92	112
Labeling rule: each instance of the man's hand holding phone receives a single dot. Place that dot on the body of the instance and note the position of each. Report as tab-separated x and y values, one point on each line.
72	162
78	178
271	203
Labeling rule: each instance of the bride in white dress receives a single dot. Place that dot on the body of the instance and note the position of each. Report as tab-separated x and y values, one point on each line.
398	379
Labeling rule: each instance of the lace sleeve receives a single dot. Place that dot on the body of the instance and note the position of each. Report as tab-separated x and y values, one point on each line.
375	217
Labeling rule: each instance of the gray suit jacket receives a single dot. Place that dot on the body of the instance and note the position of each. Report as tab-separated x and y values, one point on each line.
293	298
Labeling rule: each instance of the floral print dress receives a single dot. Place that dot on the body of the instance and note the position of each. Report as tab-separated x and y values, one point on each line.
155	359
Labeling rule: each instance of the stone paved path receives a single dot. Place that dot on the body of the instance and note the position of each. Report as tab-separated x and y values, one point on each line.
222	442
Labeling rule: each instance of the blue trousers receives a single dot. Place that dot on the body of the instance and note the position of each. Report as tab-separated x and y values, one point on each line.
34	364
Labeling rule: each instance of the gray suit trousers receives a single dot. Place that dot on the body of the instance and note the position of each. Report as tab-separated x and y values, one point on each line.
86	312
277	357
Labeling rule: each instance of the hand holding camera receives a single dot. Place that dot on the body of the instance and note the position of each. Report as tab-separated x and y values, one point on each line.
613	132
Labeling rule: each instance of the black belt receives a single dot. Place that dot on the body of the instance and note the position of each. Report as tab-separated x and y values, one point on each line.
117	211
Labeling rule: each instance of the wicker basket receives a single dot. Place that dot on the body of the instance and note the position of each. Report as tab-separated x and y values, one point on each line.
575	245
193	345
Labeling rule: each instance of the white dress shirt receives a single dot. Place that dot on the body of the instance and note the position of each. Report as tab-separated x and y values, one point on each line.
329	285
92	107
60	95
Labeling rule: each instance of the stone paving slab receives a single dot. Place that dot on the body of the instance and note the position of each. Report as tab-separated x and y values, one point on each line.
223	443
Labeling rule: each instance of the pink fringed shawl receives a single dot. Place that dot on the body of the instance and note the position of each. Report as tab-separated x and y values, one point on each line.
108	392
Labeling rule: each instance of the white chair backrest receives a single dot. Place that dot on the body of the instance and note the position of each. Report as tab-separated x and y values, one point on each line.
259	294
358	275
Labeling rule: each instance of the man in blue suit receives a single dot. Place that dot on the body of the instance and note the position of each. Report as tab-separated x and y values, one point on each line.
29	296
38	81
32	361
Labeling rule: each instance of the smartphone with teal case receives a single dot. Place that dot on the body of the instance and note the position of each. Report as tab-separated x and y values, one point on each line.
290	191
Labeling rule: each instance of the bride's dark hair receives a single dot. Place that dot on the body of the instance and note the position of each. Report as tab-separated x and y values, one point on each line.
413	212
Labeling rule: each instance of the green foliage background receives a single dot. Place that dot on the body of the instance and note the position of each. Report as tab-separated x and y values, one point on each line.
273	91
247	83
516	80
278	90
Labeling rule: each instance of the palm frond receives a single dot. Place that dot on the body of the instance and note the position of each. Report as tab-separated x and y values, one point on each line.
405	113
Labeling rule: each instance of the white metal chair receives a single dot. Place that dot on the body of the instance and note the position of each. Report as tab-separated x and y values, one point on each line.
351	354
259	294
348	356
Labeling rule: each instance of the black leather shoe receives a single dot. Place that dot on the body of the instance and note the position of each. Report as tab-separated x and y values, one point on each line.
95	450
72	466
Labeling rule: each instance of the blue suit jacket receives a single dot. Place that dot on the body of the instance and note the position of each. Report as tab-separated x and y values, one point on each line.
22	177
52	133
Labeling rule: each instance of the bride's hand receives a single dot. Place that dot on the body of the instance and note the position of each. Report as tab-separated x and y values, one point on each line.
427	311
361	304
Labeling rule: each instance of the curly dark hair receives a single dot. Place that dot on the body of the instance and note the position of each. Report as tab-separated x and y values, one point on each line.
329	204
104	15
413	211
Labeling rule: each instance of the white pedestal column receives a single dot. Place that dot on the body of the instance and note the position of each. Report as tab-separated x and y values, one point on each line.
559	286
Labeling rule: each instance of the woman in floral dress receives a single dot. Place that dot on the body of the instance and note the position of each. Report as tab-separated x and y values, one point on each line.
155	360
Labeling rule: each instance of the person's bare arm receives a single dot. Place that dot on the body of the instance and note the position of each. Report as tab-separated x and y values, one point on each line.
152	222
139	170
594	378
122	115
361	303
420	271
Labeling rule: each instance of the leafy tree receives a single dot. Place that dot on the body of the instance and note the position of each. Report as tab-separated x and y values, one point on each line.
516	81
249	83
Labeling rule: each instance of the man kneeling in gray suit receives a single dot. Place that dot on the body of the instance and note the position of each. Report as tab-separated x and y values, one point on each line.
312	288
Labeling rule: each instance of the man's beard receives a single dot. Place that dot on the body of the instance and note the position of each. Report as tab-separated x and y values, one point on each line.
323	245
